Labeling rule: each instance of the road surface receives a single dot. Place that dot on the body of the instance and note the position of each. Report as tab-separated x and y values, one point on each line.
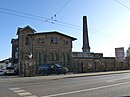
114	85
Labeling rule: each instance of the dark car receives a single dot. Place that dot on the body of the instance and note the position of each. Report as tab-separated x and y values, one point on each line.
46	69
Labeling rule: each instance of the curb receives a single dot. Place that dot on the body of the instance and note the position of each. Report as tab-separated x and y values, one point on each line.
55	77
93	74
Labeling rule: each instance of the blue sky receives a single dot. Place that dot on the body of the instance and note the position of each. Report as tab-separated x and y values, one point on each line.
108	22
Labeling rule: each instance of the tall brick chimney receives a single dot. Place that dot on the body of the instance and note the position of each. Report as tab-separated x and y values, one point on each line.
86	47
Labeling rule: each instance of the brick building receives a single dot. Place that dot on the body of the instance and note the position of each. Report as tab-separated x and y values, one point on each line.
14	52
32	48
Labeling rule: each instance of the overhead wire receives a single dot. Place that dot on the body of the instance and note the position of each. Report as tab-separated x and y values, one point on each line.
122	4
43	19
62	8
55	15
20	16
53	18
22	13
99	32
39	18
68	24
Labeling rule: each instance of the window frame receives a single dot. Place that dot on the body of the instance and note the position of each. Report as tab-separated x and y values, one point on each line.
27	40
54	40
41	40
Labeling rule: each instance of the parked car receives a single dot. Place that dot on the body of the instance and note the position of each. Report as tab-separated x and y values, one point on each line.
9	71
46	69
2	72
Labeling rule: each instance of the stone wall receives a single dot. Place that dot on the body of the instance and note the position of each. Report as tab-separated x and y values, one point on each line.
80	65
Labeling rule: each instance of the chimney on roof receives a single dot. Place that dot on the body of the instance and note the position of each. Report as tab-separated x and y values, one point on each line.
86	47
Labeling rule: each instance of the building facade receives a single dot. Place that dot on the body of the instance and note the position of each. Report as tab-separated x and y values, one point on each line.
40	48
32	48
14	58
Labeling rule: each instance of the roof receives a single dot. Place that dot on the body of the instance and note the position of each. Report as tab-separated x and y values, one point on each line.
20	29
14	40
2	61
55	32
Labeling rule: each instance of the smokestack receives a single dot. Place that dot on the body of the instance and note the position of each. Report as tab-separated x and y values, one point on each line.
86	47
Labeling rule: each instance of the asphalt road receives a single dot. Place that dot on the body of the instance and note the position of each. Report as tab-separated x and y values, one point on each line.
114	85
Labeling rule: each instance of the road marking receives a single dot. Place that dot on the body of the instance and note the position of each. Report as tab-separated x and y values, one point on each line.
13	89
17	91
22	93
113	80
32	96
85	90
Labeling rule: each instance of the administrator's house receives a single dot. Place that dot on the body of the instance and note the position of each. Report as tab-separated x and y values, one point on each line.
32	48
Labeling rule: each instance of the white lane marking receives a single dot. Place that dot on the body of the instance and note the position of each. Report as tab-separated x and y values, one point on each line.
113	80
31	96
17	91
85	90
13	89
24	94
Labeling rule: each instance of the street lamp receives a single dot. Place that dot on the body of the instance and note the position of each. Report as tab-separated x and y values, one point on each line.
30	55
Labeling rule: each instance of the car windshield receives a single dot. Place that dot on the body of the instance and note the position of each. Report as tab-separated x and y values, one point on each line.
43	66
10	68
58	65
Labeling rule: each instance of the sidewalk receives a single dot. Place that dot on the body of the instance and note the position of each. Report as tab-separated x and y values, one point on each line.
91	74
56	77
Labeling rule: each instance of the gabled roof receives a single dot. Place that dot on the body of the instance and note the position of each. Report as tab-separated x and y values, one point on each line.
55	32
20	29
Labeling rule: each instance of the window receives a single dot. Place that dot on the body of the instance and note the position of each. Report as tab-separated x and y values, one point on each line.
16	55
65	58
53	56
41	40
54	40
27	41
65	42
40	58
